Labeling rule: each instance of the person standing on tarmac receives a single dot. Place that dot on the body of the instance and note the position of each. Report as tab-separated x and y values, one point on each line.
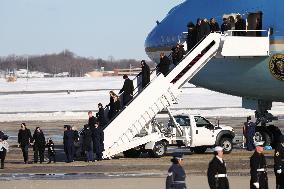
164	65
98	141
279	163
4	148
88	143
38	145
145	74
217	171
258	166
249	133
176	174
68	141
127	90
24	140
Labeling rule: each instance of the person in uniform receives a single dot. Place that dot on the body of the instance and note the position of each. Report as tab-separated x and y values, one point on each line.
258	168
217	171
176	174
279	163
127	90
24	140
249	133
4	147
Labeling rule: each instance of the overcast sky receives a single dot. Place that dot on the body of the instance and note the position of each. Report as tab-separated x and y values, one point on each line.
97	28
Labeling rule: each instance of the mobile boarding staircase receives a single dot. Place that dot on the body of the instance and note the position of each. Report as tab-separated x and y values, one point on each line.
162	91
122	133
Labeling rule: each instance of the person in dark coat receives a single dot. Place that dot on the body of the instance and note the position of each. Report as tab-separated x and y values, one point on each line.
198	30
38	145
191	36
68	141
180	53
127	90
225	25
145	74
51	151
249	133
4	147
214	26
175	55
217	171
204	28
163	66
88	143
116	105
176	174
279	163
92	119
258	168
24	140
98	141
111	105
101	115
240	25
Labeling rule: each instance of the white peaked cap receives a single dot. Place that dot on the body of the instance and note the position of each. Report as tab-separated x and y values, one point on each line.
218	148
259	143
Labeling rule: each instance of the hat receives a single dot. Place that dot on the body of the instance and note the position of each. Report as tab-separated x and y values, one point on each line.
260	143
218	148
178	156
281	138
143	61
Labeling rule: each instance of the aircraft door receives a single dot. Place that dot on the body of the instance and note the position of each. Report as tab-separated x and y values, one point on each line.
254	22
204	133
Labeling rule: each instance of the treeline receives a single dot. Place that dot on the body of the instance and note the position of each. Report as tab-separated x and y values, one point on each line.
65	61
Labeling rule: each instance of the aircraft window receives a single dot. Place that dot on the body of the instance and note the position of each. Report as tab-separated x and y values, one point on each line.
201	122
183	120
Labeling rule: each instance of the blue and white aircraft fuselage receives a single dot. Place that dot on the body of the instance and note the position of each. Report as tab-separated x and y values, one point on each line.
252	78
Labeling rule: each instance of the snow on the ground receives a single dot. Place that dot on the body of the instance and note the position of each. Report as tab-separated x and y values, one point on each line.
63	106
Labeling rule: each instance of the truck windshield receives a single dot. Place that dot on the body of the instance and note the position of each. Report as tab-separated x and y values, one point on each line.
182	120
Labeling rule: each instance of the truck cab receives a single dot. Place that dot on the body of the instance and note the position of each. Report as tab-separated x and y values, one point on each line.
199	134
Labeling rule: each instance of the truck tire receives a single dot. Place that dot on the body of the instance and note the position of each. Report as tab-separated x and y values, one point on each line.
262	136
132	153
159	150
200	150
227	145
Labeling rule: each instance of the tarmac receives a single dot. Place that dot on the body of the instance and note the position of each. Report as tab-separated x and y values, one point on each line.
120	172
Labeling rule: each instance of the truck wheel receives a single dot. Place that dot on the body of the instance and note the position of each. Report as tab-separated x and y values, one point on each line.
199	150
262	136
227	145
159	150
132	153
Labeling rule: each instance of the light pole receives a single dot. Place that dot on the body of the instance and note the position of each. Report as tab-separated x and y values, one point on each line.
27	67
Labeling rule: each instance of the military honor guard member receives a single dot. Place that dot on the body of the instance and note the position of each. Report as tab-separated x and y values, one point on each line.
176	174
279	164
217	172
258	168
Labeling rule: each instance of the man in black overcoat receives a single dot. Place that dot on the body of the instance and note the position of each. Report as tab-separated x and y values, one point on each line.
164	64
217	172
127	90
68	141
98	140
258	166
24	140
145	73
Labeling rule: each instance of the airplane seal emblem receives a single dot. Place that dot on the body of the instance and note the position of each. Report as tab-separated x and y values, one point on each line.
276	66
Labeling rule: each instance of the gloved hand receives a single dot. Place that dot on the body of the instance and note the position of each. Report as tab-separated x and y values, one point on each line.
256	184
279	171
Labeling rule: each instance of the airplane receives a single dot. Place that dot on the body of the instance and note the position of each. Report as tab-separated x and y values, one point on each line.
259	80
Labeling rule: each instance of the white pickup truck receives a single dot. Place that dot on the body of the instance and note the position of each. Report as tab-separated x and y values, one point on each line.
183	129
